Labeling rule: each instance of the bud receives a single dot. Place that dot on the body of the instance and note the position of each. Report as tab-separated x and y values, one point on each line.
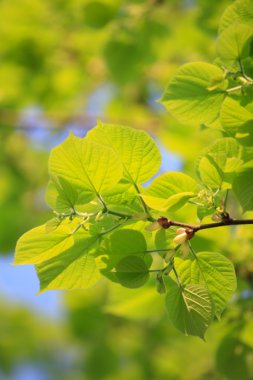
164	222
181	238
153	227
180	230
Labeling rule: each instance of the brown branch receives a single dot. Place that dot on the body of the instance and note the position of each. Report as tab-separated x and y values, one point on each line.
165	223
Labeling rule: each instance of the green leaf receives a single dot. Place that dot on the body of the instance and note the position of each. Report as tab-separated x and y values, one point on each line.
190	308
170	191
123	243
212	270
241	11
190	97
132	272
61	196
38	244
123	198
89	167
75	268
233	45
135	149
243	186
216	166
164	240
209	172
235	118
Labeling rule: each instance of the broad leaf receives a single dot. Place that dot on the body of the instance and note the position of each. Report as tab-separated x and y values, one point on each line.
190	308
241	11
89	167
62	196
132	272
212	270
191	96
123	198
243	186
75	268
38	245
170	191
233	44
235	118
135	149
216	166
123	243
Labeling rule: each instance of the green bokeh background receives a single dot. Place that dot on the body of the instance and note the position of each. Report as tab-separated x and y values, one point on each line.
65	63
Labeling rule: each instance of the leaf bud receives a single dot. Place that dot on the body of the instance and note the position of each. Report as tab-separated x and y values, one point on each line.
181	238
164	222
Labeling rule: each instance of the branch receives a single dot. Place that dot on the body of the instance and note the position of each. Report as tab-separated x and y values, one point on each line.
165	223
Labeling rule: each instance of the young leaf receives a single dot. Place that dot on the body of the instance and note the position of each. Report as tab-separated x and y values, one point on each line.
62	196
189	97
233	44
132	272
216	166
135	149
170	191
212	270
190	308
241	11
235	118
243	186
38	245
89	167
75	268
123	243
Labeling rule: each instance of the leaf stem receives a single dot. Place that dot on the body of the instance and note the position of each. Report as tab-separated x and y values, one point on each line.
226	200
102	202
145	207
121	215
233	89
110	229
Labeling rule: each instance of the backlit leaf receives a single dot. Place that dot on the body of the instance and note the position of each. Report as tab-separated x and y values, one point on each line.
189	96
91	168
135	149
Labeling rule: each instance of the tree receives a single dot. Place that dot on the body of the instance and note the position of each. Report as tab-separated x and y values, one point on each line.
108	224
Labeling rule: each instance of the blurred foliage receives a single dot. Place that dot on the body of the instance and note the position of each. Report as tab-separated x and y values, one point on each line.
94	343
56	56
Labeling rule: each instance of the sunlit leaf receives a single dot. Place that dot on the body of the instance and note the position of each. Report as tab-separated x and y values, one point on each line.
170	191
233	44
243	186
216	166
240	11
135	149
91	168
235	118
38	245
75	268
188	96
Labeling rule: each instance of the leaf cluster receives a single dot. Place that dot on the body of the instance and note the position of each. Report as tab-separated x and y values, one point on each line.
108	212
